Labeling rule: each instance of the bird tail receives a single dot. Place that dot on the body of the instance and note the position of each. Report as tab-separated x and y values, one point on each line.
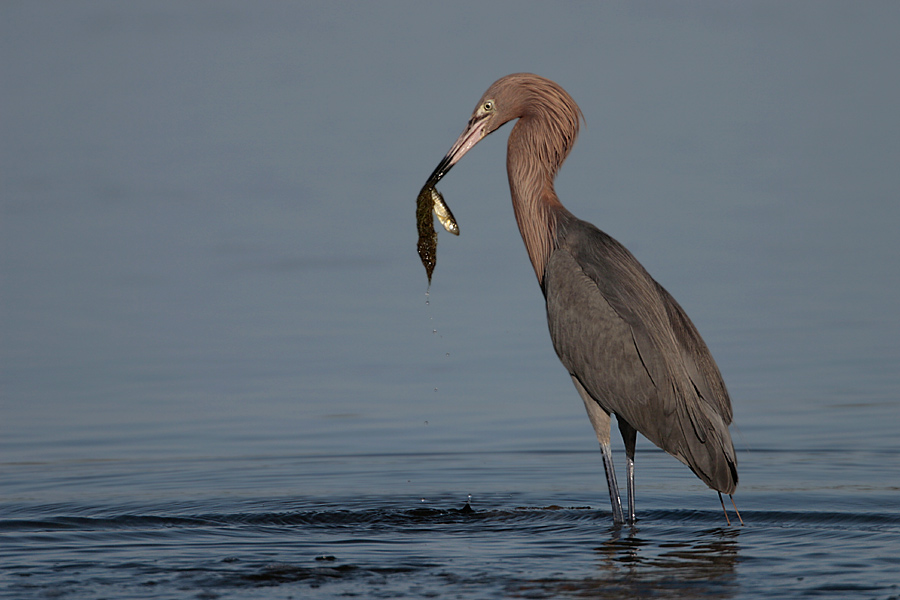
708	450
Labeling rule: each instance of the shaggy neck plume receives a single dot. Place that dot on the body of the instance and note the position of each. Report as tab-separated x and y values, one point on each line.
537	147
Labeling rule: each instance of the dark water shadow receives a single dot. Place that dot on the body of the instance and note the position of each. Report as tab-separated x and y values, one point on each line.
388	550
676	555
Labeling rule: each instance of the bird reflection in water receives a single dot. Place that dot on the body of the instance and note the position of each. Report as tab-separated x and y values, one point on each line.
632	566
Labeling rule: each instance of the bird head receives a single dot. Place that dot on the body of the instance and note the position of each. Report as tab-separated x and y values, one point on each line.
515	96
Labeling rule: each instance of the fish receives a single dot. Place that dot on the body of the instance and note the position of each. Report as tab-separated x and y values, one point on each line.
429	201
443	212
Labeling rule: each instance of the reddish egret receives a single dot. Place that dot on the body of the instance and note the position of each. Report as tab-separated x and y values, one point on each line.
629	347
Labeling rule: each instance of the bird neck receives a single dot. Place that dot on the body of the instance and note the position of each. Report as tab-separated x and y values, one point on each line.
534	199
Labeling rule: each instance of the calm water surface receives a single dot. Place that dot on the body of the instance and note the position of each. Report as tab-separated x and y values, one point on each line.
280	526
220	374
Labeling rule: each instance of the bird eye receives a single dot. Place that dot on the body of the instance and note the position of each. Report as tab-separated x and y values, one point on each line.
488	106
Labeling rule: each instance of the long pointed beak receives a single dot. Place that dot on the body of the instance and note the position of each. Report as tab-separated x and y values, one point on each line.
473	134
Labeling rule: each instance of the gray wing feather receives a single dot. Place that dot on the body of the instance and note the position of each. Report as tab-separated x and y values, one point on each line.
636	351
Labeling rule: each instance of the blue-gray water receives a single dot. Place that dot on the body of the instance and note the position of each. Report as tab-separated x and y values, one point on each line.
220	374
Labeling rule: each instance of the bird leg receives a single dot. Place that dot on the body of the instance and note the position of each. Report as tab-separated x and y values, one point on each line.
614	498
601	421
722	502
629	436
736	510
727	520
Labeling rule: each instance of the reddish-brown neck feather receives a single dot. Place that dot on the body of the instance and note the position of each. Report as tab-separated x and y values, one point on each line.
538	145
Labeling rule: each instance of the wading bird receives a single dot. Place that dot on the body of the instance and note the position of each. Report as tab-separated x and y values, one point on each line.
629	347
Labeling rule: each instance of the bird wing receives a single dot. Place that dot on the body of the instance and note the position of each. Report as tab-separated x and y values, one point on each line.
604	342
697	358
636	352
